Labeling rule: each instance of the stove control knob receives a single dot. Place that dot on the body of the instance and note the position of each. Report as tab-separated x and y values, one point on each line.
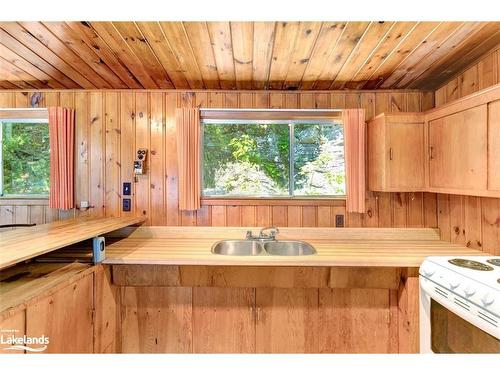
428	272
454	284
487	300
469	291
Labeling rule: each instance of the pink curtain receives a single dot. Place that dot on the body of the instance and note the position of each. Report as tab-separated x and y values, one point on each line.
188	158
62	146
355	138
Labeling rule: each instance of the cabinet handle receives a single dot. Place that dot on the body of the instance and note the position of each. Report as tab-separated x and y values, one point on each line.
431	152
390	153
258	314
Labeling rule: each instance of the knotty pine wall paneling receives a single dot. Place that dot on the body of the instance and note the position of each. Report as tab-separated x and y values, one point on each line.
470	221
112	124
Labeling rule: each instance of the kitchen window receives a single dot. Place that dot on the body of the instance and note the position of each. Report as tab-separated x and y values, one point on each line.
273	158
24	157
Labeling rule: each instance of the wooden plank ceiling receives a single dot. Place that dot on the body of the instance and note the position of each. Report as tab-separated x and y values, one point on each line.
239	55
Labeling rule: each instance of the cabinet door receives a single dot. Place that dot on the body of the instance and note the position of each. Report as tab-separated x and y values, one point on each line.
13	325
65	317
356	321
287	320
223	320
156	319
405	156
494	145
458	151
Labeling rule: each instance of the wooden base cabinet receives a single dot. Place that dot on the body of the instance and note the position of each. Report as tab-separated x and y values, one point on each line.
357	321
14	325
396	152
65	317
156	320
236	310
287	320
223	320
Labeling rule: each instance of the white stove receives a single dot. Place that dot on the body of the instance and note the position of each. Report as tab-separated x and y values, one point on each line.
460	298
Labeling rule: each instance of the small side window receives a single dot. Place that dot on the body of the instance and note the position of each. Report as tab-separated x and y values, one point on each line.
24	157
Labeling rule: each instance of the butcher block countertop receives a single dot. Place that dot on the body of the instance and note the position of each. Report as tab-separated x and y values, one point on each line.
363	247
22	244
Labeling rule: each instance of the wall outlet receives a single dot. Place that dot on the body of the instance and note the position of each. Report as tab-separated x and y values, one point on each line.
84	204
339	221
127	204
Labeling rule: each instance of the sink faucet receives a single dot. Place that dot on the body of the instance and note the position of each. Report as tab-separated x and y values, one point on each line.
273	231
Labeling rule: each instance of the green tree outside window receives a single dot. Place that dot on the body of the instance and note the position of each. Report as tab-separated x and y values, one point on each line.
257	159
25	155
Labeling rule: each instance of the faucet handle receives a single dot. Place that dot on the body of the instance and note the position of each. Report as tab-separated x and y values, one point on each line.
273	232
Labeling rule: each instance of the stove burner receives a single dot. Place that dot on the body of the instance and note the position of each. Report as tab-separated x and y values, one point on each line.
471	264
494	261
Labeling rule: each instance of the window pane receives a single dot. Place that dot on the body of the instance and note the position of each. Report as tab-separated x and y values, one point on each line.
319	159
25	158
246	159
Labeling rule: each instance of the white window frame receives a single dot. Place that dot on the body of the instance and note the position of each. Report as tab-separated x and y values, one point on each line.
291	187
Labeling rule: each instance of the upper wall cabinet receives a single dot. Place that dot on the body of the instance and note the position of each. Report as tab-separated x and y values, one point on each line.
452	149
494	146
464	146
457	150
396	152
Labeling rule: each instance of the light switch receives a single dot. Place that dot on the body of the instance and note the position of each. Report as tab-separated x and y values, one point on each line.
127	188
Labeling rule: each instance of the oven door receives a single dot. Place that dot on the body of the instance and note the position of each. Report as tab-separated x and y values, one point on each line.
446	327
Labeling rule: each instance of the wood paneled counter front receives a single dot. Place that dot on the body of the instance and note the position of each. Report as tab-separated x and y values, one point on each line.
363	247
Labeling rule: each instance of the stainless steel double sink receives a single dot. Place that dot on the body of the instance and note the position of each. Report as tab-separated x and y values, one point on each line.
259	247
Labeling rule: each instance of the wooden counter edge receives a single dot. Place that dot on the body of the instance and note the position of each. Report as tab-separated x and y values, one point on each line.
10	261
